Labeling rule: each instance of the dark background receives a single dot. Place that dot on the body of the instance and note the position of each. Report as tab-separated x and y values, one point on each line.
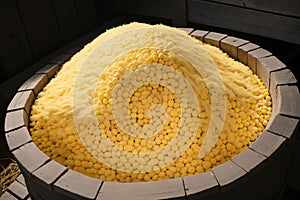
32	32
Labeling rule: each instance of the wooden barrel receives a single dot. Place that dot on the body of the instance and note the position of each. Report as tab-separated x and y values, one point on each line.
259	172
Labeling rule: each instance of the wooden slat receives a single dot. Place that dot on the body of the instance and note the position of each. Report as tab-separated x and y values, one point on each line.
199	34
244	20
8	196
17	138
15	119
40	182
154	8
30	156
18	190
277	150
230	45
214	38
88	14
164	189
288	101
232	181
253	57
248	159
282	77
77	186
178	13
202	186
49	172
50	70
68	19
35	83
22	100
104	9
243	52
286	7
21	179
15	52
284	126
267	143
227	173
265	66
40	24
255	166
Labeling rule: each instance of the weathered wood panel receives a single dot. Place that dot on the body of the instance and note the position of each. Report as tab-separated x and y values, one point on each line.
67	19
13	41
49	69
253	57
164	189
175	10
16	119
214	38
284	7
178	12
22	100
230	45
88	14
244	20
104	9
17	189
78	186
284	126
199	34
231	179
50	172
35	83
40	25
243	52
265	66
202	186
17	138
30	156
154	8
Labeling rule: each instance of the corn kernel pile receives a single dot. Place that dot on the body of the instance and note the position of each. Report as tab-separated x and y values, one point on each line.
151	114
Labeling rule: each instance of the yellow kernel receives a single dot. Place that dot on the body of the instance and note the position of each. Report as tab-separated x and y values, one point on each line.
191	170
146	177
199	169
173	169
174	113
206	165
190	152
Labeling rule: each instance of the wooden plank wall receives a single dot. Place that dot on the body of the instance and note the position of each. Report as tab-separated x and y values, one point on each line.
173	10
276	19
153	8
281	7
31	29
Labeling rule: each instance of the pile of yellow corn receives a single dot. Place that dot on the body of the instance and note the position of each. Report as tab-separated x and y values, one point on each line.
139	104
